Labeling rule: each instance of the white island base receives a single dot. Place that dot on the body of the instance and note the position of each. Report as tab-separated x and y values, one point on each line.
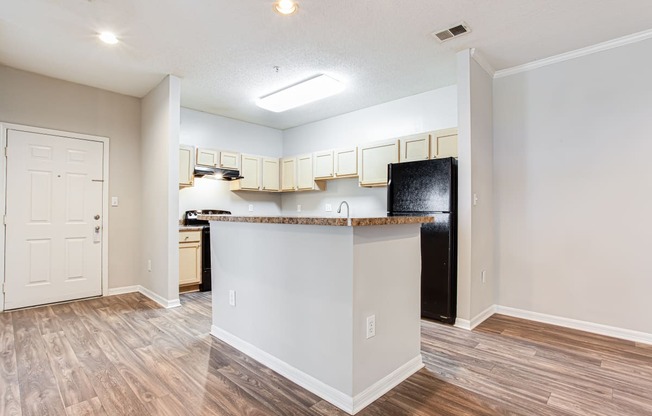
303	294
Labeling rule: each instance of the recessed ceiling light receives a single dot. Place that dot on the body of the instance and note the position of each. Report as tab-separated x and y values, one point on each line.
108	37
286	7
305	92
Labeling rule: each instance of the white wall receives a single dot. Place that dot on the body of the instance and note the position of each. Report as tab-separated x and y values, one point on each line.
159	236
216	132
428	111
482	225
39	101
572	182
475	170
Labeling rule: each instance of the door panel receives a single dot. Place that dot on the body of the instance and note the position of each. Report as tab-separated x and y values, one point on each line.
53	240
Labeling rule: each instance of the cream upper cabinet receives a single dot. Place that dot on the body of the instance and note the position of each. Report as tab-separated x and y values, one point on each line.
345	162
414	147
305	176
250	170
185	165
373	160
230	160
323	163
443	143
207	157
289	174
270	174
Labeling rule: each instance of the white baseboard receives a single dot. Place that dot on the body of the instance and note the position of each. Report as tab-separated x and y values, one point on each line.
122	290
611	331
477	320
173	303
339	399
323	390
382	386
463	324
153	296
483	316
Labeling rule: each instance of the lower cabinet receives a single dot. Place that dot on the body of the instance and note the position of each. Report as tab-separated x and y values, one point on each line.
189	261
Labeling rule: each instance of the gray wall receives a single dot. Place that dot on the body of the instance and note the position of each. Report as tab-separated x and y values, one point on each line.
572	182
35	100
159	231
475	170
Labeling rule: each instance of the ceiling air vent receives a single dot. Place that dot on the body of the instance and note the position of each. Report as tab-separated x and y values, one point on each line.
452	32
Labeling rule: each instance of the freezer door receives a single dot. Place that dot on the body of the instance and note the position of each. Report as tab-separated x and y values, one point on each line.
423	186
439	269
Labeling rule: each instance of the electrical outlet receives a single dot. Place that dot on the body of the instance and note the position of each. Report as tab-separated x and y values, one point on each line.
328	208
371	326
232	297
251	207
484	276
149	265
298	207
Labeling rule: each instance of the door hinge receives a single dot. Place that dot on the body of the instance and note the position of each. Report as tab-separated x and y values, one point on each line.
6	152
3	288
4	219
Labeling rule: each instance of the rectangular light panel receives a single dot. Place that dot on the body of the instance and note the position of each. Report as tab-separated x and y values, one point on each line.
305	92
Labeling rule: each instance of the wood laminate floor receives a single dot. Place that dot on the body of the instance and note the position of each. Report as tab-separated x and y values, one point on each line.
124	355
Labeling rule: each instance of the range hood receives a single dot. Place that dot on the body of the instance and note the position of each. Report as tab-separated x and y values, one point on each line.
217	173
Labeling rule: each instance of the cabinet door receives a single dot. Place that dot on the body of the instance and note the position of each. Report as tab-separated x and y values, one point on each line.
270	174
189	263
229	160
207	157
185	165
305	176
443	143
414	147
373	161
323	162
346	162
288	174
250	172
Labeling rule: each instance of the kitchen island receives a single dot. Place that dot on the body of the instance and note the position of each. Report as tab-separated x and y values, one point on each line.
298	294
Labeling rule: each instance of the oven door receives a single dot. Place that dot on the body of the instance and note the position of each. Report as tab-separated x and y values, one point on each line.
205	259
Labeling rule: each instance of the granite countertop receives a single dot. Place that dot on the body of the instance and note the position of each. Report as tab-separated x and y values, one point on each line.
190	228
336	221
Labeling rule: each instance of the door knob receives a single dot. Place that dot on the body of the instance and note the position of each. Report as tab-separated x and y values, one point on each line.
97	217
97	228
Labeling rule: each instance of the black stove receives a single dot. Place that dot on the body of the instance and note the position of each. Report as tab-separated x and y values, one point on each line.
190	218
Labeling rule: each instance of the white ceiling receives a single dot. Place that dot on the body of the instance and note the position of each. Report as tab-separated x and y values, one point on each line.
225	51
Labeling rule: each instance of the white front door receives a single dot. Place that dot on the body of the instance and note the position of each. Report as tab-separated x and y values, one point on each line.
54	226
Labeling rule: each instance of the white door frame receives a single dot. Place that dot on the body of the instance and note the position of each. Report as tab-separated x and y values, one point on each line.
4	127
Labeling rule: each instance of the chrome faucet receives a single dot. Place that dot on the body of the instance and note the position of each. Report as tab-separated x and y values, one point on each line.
348	212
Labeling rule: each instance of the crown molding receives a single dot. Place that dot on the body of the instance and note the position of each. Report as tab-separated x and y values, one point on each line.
625	40
482	61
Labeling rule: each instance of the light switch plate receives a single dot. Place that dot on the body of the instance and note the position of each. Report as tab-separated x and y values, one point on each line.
114	201
328	207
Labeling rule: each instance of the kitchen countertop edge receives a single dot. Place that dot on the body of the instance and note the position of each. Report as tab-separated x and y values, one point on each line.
329	221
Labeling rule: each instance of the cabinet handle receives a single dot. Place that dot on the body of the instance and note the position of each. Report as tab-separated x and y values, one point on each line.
187	237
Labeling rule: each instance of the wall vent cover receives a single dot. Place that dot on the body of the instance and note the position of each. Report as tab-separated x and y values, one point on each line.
452	32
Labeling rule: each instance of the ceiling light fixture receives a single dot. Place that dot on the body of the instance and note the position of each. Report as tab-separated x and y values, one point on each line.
286	7
313	89
108	37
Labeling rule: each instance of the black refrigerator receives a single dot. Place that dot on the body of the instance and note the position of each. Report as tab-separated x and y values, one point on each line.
429	187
